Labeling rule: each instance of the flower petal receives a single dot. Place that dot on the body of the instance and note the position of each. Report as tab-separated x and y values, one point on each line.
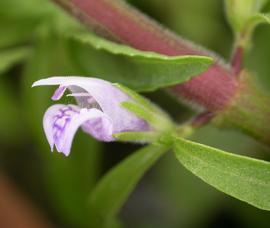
108	97
62	121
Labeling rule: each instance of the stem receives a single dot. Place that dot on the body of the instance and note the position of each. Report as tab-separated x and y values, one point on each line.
237	60
202	119
218	89
250	110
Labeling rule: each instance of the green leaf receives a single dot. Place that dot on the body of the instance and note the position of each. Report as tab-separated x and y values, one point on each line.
115	187
17	8
244	16
10	57
244	178
139	70
21	21
239	12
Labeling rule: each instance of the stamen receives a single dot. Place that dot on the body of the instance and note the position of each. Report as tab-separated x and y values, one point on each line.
83	110
78	95
59	93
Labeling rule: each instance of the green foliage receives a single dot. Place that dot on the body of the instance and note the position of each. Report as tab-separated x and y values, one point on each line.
146	109
161	124
154	120
139	70
9	113
69	180
242	177
18	33
144	102
114	188
244	16
10	57
239	12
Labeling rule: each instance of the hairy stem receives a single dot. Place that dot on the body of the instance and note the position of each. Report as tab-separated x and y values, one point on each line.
249	111
237	60
217	89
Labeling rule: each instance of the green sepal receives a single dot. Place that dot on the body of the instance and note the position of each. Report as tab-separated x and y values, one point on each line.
140	137
156	121
142	100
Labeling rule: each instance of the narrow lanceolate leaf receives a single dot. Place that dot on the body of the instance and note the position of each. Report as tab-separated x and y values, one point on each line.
12	56
139	70
244	178
113	190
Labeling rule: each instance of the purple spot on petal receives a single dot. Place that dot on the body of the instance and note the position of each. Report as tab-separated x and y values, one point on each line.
61	120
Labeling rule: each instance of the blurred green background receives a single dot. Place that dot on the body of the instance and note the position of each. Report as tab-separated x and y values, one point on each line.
31	47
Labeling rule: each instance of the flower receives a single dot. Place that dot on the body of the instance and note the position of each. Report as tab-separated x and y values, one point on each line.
99	111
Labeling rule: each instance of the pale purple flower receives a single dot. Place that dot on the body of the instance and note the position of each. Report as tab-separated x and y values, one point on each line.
99	111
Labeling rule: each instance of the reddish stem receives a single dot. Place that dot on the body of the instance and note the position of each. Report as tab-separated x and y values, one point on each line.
237	60
202	119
